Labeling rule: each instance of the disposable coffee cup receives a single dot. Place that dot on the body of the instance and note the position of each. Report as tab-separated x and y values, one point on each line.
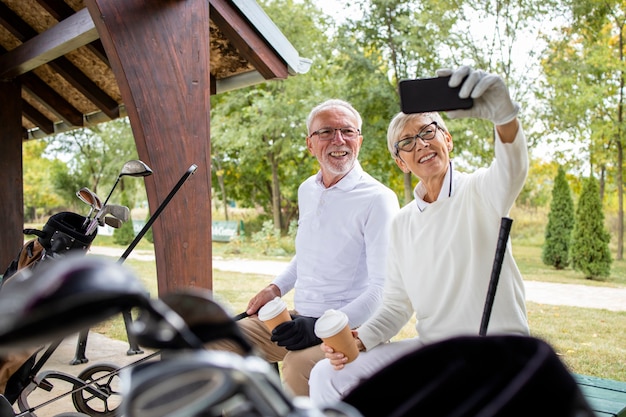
274	313
334	330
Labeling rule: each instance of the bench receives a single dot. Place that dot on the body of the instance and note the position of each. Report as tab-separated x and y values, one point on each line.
605	396
225	230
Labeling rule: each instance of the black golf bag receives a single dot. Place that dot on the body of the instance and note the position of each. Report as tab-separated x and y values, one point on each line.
473	376
62	233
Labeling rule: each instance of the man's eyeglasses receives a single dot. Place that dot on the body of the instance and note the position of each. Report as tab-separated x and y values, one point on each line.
428	132
328	133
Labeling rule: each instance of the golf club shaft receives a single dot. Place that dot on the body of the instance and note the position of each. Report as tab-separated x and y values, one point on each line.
156	214
503	237
240	316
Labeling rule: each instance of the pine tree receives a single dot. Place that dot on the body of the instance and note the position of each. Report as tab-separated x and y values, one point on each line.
590	240
558	234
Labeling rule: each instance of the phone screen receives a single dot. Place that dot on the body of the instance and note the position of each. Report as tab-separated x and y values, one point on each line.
431	94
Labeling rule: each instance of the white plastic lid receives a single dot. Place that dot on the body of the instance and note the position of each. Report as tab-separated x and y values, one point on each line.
272	309
331	322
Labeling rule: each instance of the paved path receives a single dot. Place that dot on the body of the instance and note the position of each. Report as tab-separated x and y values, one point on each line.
100	350
538	292
575	295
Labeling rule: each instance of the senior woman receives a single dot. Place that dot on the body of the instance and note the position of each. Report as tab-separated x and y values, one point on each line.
442	244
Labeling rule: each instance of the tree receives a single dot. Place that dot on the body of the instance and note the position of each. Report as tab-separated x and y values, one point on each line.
97	154
397	38
40	196
590	241
258	133
584	89
558	235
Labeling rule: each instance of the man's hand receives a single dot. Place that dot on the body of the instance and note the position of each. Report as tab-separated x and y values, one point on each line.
491	95
296	334
263	297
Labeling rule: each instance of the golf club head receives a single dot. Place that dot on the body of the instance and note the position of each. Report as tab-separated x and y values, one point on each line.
90	198
204	384
135	168
63	296
6	409
206	320
118	211
114	222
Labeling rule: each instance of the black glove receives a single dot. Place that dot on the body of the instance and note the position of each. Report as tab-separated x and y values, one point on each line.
296	334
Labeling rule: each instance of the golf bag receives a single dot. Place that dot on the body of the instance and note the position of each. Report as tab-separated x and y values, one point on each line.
62	233
473	376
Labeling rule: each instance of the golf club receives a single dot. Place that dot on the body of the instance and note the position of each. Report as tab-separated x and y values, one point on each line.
132	168
134	347
503	237
114	222
158	211
121	212
91	199
115	210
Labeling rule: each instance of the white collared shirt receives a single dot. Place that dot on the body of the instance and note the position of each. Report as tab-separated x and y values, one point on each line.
341	246
446	191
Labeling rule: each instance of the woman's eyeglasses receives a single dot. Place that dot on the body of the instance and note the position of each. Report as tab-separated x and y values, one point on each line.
427	133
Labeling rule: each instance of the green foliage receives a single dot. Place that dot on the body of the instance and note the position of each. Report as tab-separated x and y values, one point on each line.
40	196
125	234
268	239
590	241
558	233
97	155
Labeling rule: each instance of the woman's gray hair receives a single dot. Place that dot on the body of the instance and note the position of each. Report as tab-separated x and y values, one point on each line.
399	122
333	103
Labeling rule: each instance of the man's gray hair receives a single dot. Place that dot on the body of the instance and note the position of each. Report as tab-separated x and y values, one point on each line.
333	103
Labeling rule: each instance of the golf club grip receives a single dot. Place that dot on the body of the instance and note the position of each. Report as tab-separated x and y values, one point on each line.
240	316
158	211
503	237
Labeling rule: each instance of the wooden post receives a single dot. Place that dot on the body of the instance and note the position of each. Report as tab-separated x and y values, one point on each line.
159	53
12	184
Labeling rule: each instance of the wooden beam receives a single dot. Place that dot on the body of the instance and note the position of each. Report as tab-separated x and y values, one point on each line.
247	41
66	36
12	184
60	11
159	53
87	87
15	24
21	30
51	99
98	50
37	118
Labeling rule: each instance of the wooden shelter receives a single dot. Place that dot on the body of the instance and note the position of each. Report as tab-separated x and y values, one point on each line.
67	64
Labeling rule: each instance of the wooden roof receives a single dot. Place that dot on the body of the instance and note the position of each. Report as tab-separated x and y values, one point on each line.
67	81
66	64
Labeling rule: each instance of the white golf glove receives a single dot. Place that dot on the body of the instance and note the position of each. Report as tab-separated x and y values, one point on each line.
491	95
